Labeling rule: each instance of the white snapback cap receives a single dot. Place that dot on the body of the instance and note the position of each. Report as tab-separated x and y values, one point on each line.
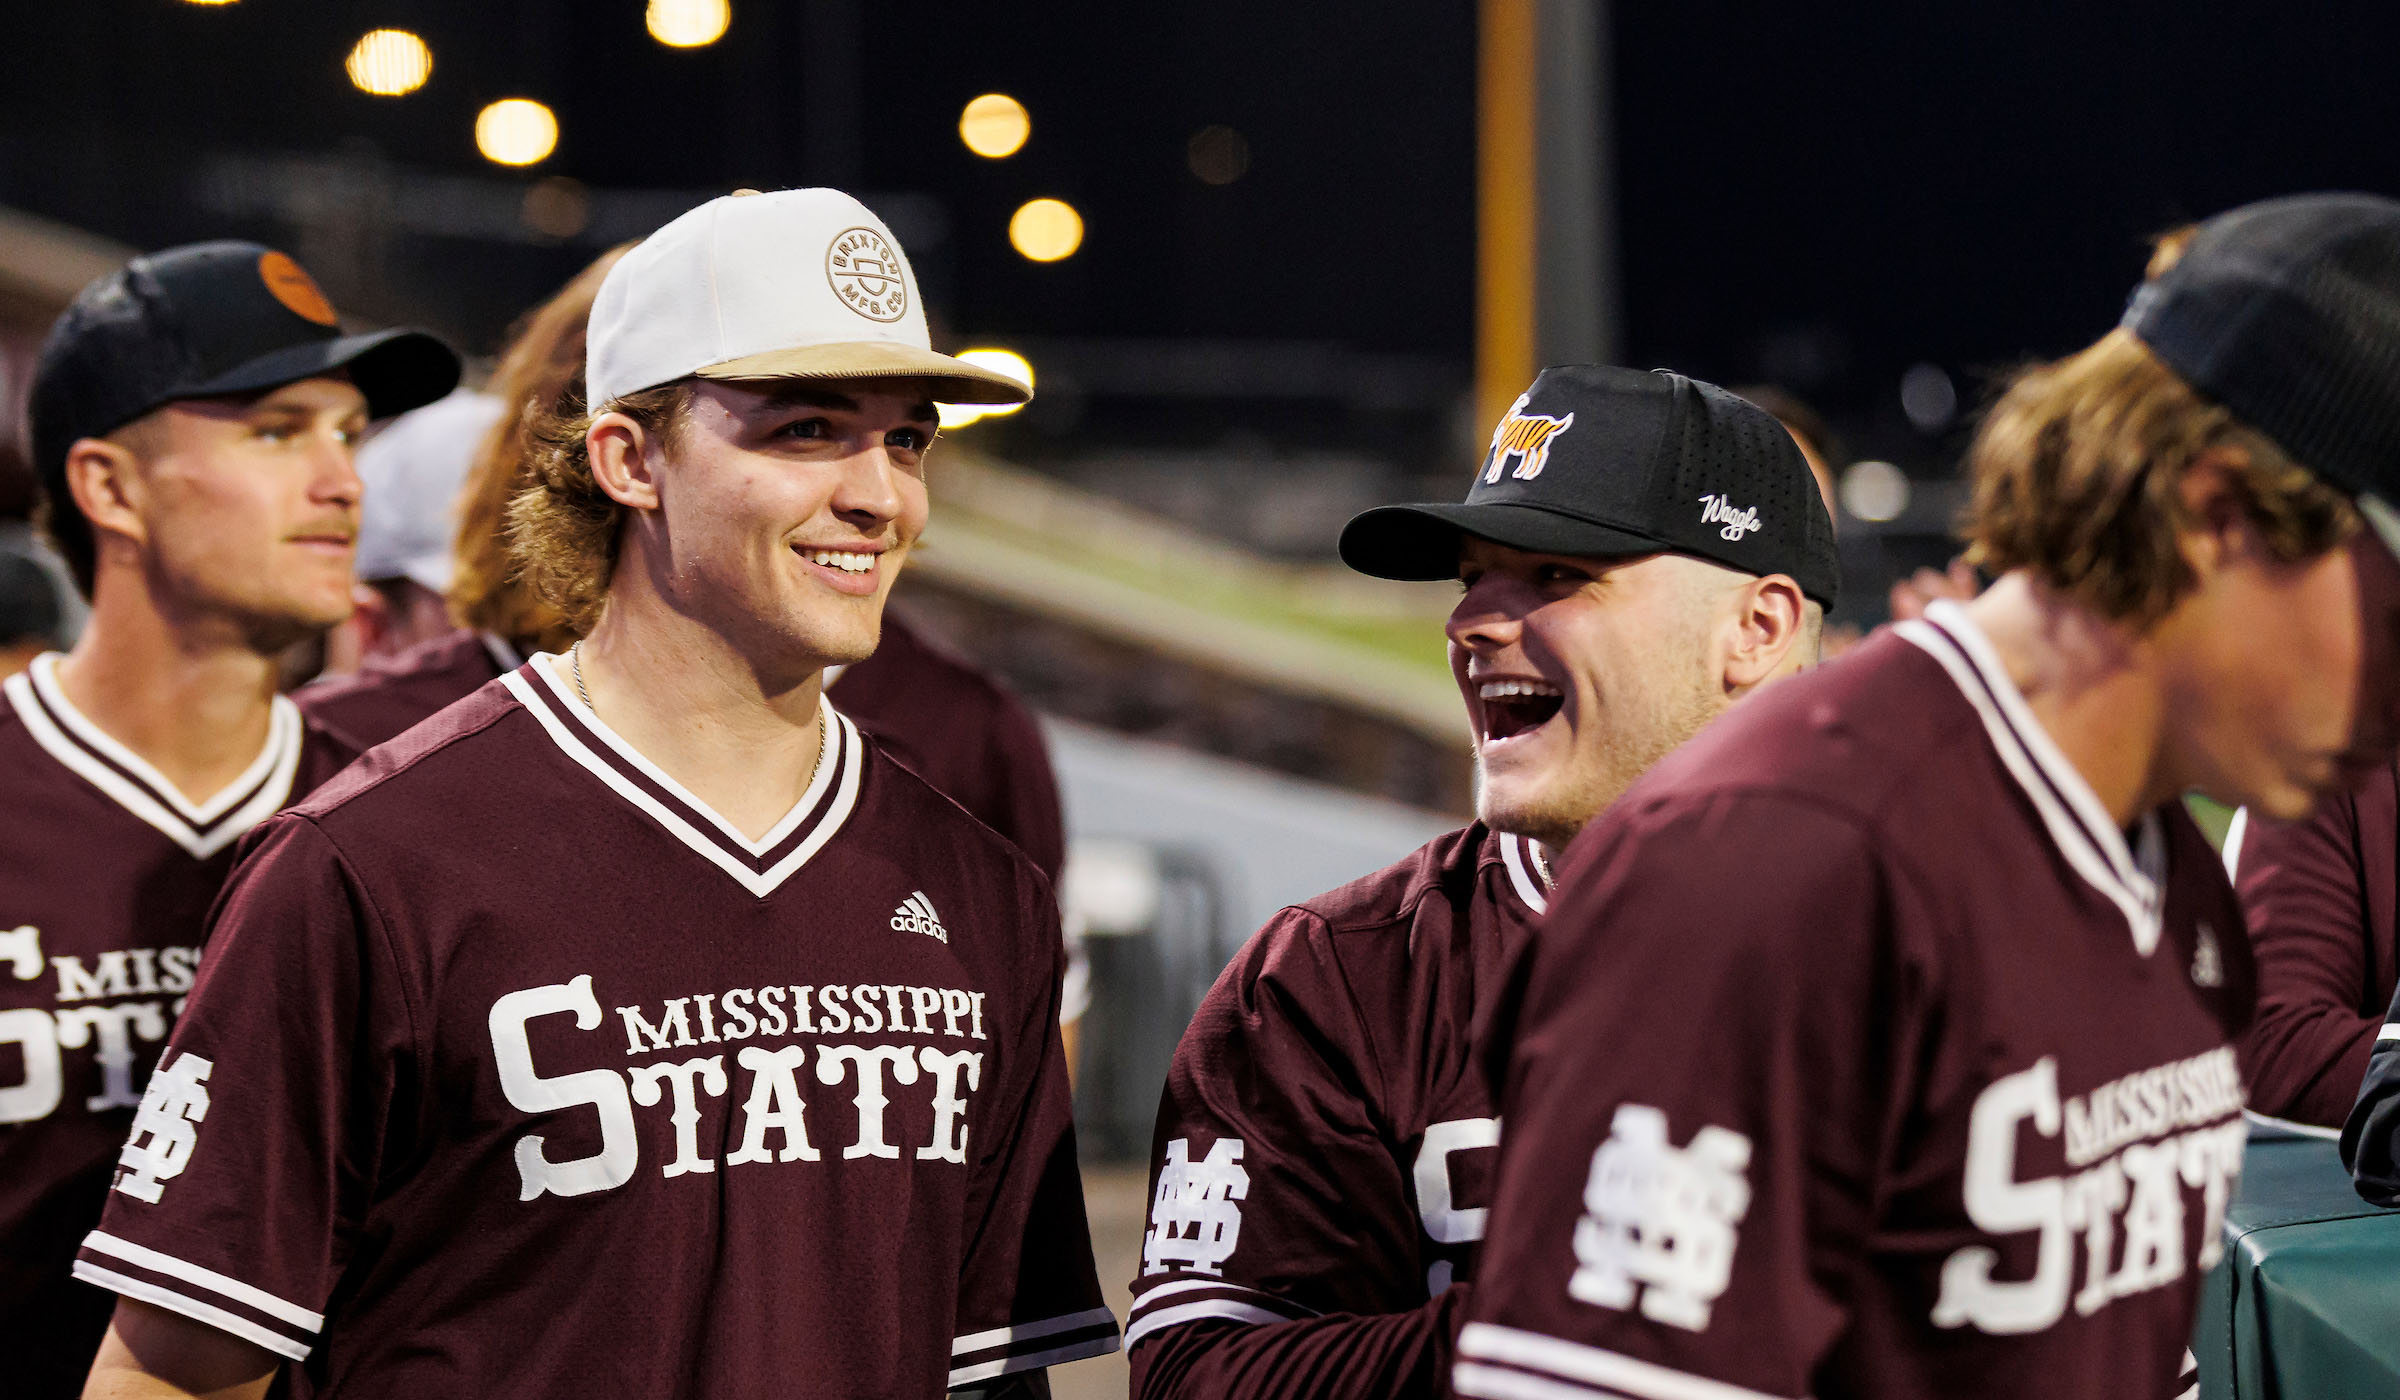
794	284
413	469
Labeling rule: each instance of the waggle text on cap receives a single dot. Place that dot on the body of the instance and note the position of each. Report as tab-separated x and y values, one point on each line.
2287	312
1600	462
207	320
794	284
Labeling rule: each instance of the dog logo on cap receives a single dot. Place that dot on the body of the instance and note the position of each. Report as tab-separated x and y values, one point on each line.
867	274
1525	437
294	289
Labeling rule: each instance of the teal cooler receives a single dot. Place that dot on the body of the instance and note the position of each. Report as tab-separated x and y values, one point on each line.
2306	1303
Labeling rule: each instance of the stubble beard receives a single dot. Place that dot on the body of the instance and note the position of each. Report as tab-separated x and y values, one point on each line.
1555	808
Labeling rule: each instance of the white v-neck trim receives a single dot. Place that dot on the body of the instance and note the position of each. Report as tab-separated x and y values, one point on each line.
2078	823
839	761
202	829
1521	874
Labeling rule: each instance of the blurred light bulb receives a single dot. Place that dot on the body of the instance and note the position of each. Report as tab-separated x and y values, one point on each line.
1217	155
1928	397
1875	491
995	126
999	361
389	63
516	131
1046	230
688	24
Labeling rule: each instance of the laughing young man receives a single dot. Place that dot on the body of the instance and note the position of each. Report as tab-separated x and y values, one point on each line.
1638	550
193	415
1919	985
634	1028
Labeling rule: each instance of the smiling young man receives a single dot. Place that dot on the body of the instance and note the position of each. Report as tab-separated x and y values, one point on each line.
193	415
1919	986
1637	551
634	1027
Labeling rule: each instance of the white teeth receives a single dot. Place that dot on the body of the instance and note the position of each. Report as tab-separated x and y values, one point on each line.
843	560
1507	690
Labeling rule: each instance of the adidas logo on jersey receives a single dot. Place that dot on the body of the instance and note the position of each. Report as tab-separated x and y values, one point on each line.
915	915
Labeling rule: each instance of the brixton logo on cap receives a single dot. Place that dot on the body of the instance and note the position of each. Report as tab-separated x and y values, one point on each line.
293	288
865	272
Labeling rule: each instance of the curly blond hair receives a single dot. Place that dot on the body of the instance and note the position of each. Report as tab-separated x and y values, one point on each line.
563	530
540	375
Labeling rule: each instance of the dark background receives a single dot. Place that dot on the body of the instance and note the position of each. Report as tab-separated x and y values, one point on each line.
1818	194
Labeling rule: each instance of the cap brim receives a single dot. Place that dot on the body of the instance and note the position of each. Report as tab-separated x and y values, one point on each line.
1420	542
397	370
953	380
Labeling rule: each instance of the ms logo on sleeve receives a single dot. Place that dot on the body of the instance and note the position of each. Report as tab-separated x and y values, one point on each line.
1661	1218
164	1130
1194	1224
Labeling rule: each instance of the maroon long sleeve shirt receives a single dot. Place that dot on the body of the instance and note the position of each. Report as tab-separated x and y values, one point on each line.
2320	897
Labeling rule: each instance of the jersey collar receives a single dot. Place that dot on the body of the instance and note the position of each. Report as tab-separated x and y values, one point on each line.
1525	873
2078	824
758	866
202	829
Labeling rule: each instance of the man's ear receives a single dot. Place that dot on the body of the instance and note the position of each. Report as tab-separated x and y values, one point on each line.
2216	509
1768	616
620	451
104	478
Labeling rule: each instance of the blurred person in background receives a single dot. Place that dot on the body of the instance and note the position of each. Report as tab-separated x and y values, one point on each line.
193	416
1920	984
29	612
2320	897
956	726
414	471
419	1168
1324	1146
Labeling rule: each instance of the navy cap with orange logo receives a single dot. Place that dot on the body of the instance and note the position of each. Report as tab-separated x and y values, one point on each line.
1605	463
208	320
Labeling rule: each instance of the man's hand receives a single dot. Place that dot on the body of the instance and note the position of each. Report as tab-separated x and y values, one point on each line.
153	1354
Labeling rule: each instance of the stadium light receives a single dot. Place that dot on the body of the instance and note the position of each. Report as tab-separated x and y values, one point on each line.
995	126
688	24
516	131
208	2
1876	491
389	63
1217	155
991	357
1046	230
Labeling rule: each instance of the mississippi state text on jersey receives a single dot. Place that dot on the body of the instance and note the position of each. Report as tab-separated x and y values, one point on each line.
106	876
1864	1056
515	1070
1324	1149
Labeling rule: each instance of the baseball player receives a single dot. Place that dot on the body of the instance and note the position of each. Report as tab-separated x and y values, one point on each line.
1636	551
192	415
957	727
634	1027
1879	1042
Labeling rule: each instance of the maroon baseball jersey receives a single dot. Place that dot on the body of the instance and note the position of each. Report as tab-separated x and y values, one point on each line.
962	732
958	728
515	1070
106	875
1863	1055
1324	1149
391	695
2323	900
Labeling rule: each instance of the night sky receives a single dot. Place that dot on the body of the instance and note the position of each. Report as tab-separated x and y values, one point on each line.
1825	193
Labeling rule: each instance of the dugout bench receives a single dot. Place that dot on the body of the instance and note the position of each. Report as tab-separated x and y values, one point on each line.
2305	1304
